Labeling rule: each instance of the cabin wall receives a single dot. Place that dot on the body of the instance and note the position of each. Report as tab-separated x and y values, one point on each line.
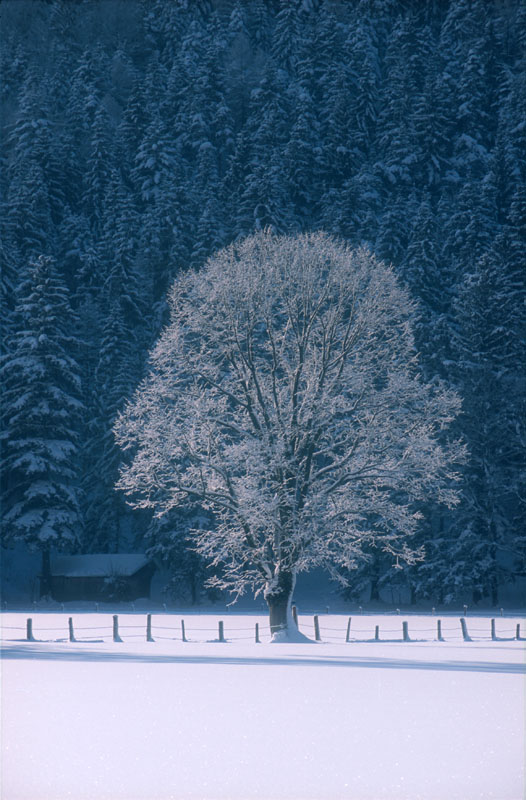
103	589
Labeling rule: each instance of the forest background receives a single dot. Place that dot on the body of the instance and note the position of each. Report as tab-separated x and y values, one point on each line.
139	136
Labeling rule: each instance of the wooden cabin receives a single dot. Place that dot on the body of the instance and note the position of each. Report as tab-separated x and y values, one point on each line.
105	577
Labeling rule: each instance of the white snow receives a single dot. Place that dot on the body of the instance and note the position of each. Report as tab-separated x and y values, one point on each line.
167	720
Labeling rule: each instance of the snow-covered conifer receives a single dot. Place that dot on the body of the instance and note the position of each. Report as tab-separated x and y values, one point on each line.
41	418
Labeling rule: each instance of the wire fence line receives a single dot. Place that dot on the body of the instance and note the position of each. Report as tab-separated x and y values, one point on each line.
350	634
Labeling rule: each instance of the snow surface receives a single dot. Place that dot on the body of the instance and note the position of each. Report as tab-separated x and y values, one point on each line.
167	720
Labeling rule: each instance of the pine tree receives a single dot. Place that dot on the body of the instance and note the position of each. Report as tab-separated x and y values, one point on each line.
357	208
240	54
285	38
364	72
79	256
491	352
393	231
209	233
395	139
86	128
99	167
431	284
116	375
29	227
259	25
339	154
41	416
302	160
254	183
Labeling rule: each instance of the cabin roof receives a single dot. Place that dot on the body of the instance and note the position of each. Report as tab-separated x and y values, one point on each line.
98	565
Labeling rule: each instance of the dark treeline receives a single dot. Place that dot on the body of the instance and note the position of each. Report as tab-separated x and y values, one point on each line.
139	136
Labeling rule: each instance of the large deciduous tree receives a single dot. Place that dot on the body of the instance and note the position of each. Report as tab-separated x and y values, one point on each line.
285	397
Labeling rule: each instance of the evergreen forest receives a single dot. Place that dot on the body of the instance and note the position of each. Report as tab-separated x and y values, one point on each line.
140	136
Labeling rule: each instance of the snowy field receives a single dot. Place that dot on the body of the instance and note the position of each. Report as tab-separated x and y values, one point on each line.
173	720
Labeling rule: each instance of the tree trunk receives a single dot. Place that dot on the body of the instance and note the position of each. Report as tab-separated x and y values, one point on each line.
193	588
494	579
278	595
45	577
374	578
494	586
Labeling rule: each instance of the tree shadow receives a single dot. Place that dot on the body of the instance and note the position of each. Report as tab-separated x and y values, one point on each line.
29	650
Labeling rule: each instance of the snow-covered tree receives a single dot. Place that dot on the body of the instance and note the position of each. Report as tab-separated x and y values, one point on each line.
490	345
41	417
285	397
137	141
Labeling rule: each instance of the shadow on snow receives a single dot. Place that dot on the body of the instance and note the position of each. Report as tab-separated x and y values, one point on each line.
38	652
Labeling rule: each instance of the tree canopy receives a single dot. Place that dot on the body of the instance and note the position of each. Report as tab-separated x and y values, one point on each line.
285	396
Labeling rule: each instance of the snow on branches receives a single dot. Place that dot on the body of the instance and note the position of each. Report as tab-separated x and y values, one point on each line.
285	396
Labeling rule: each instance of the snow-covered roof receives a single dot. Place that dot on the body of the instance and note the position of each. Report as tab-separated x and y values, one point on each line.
98	565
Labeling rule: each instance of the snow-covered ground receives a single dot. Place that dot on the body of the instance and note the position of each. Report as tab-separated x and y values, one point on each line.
364	720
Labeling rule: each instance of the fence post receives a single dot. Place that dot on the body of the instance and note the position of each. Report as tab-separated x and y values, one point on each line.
439	630
71	631
317	629
221	632
465	633
518	631
295	615
149	637
377	633
493	635
183	634
116	637
405	632
257	633
348	634
29	633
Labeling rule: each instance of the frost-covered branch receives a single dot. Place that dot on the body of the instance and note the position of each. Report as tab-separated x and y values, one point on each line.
285	394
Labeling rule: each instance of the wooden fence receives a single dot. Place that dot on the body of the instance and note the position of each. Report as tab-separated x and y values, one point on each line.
150	631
